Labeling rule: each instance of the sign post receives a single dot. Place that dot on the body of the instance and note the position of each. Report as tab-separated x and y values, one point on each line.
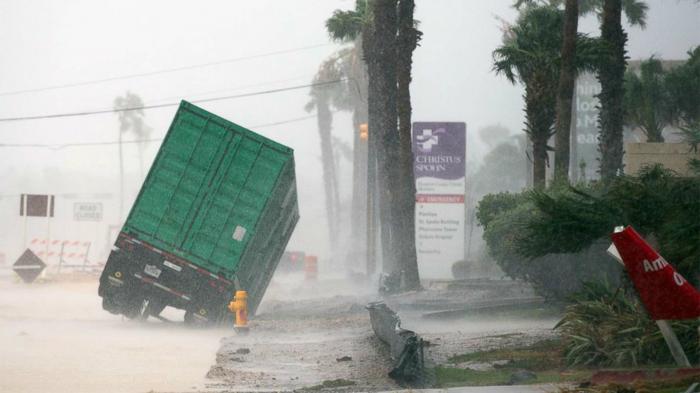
33	205
28	266
439	150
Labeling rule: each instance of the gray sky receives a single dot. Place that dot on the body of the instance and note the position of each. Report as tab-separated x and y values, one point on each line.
48	43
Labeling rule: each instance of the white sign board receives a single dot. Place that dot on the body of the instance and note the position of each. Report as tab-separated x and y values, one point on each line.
87	211
439	166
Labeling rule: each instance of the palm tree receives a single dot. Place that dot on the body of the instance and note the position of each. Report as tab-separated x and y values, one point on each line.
346	27
388	38
611	134
683	83
407	40
531	55
379	46
611	77
647	100
371	24
323	95
131	118
565	91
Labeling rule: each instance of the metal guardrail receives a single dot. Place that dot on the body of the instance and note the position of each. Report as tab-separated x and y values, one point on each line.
406	347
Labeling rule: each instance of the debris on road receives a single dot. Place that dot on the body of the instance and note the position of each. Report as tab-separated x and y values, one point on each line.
406	347
297	344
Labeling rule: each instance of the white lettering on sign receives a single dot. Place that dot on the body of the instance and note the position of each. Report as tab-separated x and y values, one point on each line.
654	266
678	279
87	211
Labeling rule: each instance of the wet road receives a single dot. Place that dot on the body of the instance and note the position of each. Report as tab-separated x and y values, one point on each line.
55	337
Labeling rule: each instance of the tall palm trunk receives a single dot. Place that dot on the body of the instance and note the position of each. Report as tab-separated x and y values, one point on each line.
373	122
387	133
358	217
567	76
539	117
325	119
407	41
611	77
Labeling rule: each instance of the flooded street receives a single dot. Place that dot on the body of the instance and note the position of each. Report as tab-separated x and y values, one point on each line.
55	337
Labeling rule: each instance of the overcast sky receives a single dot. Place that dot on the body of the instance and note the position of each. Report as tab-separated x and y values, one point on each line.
51	43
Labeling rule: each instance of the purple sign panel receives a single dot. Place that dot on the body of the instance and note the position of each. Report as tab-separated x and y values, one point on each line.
439	149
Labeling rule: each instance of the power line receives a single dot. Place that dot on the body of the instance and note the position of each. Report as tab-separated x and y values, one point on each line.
79	144
155	106
86	144
163	71
192	95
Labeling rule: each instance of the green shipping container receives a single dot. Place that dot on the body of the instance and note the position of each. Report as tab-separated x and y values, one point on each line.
220	197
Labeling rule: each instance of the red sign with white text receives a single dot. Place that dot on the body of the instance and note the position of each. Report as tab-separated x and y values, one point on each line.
664	292
427	198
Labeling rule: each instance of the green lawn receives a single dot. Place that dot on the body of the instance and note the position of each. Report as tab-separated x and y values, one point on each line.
544	358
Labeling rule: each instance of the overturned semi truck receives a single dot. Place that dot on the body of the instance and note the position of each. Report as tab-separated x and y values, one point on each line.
213	216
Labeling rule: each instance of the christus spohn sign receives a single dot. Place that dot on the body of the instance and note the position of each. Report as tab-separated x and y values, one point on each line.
439	167
439	150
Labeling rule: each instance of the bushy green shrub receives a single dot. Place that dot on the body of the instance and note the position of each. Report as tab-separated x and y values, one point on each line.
492	205
606	327
663	207
554	276
556	239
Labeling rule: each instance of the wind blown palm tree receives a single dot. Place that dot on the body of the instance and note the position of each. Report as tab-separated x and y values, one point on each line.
647	103
407	40
610	118
323	96
388	38
611	77
531	55
565	91
131	118
346	27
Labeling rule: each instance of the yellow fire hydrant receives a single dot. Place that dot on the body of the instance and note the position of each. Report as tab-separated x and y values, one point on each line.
239	306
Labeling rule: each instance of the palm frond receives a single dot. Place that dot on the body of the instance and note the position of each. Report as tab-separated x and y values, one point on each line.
346	26
636	12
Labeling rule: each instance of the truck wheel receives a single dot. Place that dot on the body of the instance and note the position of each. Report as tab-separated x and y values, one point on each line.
152	308
134	308
109	305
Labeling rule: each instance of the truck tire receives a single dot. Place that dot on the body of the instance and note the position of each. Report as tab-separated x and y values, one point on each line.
109	305
134	308
152	308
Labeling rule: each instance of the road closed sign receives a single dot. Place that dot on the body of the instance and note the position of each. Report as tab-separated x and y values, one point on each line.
87	211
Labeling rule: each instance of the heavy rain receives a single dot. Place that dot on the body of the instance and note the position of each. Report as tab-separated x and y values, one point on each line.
350	196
